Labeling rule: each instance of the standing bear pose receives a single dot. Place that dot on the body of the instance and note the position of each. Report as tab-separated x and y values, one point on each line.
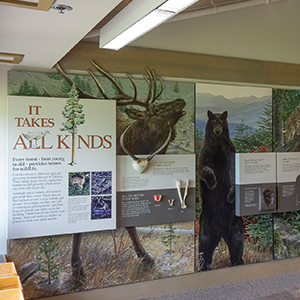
217	179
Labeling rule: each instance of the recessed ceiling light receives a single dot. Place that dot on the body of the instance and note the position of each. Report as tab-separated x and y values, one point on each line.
10	58
61	8
33	4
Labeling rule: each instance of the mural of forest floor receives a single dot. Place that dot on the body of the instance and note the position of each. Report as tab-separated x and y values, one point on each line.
108	259
258	245
287	235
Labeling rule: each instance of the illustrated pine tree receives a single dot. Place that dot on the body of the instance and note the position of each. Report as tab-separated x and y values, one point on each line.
264	125
73	113
27	89
241	140
170	239
176	88
47	259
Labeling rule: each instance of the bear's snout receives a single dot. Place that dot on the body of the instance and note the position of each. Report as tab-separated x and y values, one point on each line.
217	130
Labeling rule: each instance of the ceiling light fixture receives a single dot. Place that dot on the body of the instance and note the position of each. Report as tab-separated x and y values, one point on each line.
61	8
138	18
10	58
44	5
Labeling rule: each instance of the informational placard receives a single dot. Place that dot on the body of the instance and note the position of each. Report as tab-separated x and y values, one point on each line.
288	181
163	193
61	166
255	183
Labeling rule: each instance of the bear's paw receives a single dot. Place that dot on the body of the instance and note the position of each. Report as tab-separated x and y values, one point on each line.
209	177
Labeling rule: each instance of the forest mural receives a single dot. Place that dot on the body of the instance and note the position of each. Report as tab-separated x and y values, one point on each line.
48	265
249	117
286	139
256	122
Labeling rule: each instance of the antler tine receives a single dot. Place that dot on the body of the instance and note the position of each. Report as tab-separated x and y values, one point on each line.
152	83
149	81
161	88
82	94
98	84
46	92
134	98
122	94
154	78
149	89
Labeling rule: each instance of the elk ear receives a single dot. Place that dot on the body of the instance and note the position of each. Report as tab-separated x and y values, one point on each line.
135	114
210	114
224	115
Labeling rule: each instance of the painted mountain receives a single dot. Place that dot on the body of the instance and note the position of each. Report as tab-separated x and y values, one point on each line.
240	109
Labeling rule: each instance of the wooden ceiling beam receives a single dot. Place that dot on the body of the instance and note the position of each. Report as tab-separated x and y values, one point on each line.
183	65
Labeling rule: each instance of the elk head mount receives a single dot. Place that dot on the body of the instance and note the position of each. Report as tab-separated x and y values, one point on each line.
153	128
141	164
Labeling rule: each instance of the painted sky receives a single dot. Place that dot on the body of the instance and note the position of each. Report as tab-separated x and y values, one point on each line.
231	91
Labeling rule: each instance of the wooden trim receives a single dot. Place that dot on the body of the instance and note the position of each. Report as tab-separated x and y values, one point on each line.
44	5
183	65
16	58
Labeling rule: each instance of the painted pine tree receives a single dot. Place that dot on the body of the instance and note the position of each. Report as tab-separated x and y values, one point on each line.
170	239
73	113
47	259
176	88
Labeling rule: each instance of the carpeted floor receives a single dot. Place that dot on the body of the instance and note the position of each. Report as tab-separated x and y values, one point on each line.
285	286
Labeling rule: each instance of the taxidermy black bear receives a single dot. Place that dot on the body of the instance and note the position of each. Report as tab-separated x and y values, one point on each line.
217	180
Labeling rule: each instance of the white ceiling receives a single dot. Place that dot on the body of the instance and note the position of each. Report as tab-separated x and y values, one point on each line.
265	32
44	37
259	31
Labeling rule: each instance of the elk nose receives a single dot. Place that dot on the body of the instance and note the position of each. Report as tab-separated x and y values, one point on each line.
180	101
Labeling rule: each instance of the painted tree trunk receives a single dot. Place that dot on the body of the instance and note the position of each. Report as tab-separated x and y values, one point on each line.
78	271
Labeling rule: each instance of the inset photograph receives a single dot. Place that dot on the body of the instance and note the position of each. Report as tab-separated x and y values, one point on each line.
267	199
101	182
79	183
101	207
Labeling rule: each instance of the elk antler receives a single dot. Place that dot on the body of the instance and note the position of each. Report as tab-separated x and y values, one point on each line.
122	98
121	94
81	93
152	96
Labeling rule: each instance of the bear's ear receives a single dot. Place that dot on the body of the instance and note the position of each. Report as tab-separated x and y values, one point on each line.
210	114
224	115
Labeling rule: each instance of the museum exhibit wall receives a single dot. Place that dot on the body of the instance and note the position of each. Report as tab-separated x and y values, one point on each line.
3	95
173	246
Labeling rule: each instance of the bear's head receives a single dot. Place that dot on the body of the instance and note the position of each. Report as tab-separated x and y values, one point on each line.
217	123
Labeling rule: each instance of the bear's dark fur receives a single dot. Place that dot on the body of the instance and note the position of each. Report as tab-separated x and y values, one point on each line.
217	179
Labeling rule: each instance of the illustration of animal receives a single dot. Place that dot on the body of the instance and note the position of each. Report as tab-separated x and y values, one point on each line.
39	136
153	129
217	180
79	179
35	136
268	196
292	125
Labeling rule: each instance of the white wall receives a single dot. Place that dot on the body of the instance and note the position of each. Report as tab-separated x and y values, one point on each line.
3	95
3	98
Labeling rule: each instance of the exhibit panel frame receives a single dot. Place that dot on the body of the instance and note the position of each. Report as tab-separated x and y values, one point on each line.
256	182
53	164
288	177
